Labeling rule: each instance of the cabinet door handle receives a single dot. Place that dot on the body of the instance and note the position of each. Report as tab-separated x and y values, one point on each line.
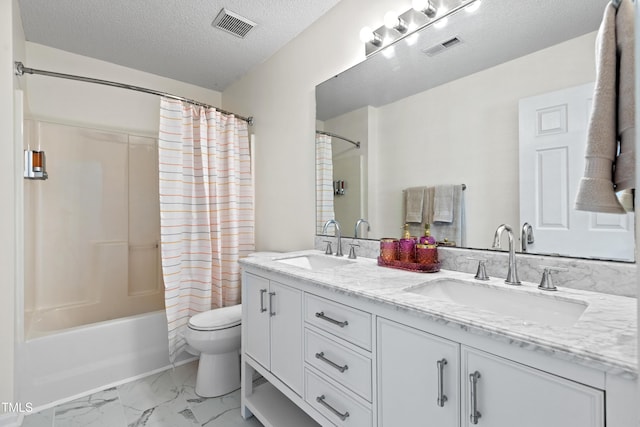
475	414
271	312
321	315
441	396
331	363
262	307
320	400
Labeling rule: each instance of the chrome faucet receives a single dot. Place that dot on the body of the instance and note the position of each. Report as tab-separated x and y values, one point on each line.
338	234
512	273
527	236
358	222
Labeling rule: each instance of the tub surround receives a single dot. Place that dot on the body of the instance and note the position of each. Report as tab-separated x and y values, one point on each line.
603	338
610	277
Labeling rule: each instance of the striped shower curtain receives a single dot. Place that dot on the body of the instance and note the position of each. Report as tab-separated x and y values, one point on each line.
206	211
324	181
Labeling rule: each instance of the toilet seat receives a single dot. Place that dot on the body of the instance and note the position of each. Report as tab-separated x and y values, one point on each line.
219	318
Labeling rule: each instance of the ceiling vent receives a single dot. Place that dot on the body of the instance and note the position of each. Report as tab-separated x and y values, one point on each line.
233	23
441	47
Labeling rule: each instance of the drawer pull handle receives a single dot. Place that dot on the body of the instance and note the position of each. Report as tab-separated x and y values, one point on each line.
329	362
262	307
320	400
475	414
271	312
441	396
330	320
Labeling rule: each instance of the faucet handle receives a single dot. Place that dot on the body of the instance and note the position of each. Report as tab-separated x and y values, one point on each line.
546	284
352	250
329	250
481	273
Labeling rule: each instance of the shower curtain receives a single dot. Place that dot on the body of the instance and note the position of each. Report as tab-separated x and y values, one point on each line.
206	211
324	181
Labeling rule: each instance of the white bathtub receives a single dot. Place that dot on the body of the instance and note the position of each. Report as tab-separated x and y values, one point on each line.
73	362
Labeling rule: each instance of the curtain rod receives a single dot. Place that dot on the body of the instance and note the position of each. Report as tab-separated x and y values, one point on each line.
20	70
333	135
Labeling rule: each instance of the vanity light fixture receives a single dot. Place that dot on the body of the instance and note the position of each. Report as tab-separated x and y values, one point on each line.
368	36
394	22
425	6
423	13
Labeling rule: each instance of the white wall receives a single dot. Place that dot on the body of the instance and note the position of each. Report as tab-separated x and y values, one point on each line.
280	94
11	44
104	107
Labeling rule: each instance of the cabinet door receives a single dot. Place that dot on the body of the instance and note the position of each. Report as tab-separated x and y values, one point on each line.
286	335
255	301
413	374
509	394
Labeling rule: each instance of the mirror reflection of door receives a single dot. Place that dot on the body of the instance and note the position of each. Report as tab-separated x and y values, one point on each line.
553	134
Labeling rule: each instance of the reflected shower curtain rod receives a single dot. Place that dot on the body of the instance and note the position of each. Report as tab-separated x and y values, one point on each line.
333	135
20	70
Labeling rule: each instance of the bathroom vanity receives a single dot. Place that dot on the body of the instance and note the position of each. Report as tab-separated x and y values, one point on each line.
348	343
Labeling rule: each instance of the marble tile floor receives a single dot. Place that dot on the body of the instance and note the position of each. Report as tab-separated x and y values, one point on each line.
164	399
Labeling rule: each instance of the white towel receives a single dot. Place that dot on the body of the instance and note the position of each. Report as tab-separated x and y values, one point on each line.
415	201
454	231
443	204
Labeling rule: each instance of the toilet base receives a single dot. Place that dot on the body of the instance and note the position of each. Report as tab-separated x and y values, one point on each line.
218	374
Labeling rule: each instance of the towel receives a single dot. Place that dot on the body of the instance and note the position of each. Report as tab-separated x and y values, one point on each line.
596	190
454	231
443	204
625	177
414	204
417	229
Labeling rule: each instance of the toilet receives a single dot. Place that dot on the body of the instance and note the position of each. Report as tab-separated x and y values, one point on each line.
216	335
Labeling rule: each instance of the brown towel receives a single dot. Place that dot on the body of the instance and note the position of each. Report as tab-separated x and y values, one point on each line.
596	191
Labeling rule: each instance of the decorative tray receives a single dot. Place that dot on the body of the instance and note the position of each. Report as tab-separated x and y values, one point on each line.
410	266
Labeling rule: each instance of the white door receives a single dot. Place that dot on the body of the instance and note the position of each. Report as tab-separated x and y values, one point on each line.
509	394
286	335
255	301
418	378
553	133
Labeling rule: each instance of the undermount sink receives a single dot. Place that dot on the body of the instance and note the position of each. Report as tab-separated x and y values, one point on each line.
526	306
314	262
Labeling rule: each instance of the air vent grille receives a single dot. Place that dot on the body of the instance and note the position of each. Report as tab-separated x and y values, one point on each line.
233	23
441	47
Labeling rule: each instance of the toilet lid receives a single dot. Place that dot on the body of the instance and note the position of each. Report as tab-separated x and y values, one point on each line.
218	318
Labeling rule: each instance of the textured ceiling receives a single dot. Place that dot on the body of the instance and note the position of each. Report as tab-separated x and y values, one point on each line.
173	38
501	30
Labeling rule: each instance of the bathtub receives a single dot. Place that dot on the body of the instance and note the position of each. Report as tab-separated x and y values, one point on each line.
74	362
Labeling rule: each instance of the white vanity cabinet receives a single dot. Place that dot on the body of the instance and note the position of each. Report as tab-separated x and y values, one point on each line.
273	328
332	357
418	377
502	393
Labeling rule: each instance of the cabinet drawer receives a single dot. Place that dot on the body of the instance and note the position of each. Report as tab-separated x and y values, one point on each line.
343	365
338	407
343	321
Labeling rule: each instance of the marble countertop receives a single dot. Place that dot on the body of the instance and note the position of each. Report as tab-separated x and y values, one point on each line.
604	337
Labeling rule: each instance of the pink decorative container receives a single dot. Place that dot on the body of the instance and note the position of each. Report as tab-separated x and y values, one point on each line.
426	254
407	250
389	249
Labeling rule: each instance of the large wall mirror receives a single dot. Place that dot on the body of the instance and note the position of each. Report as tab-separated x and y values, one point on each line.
431	111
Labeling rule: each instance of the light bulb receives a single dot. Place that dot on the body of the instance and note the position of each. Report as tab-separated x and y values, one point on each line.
391	19
424	6
366	35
